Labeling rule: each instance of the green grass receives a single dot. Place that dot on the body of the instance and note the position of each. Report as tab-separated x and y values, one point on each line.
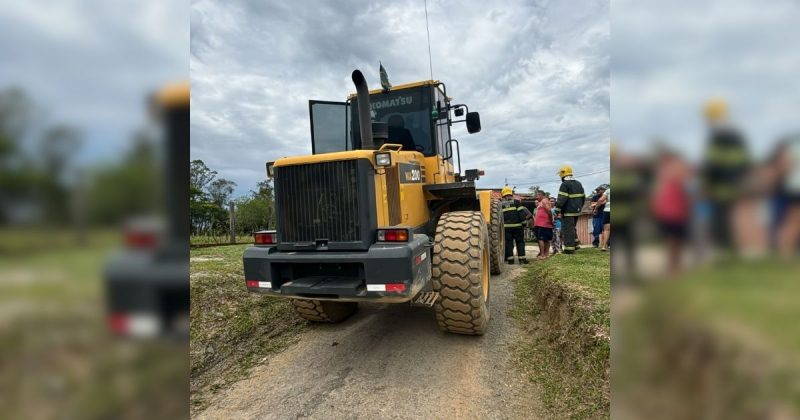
232	329
56	356
219	240
736	328
763	297
563	305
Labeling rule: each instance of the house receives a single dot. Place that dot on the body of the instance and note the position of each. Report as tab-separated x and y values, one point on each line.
584	224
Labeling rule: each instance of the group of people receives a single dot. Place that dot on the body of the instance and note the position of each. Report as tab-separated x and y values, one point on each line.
554	219
722	197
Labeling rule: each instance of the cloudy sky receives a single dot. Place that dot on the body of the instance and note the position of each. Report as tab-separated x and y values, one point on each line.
538	72
669	57
91	64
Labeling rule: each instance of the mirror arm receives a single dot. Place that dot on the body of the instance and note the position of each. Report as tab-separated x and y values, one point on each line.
466	108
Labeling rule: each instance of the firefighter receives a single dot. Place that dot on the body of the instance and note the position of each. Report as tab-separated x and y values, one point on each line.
514	217
570	202
725	166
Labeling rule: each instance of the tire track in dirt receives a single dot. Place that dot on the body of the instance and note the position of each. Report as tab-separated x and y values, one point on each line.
390	361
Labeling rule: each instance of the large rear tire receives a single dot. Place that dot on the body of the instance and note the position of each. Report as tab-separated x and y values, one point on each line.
323	310
497	238
460	265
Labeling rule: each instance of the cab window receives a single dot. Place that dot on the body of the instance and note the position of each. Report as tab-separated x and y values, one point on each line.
407	113
329	131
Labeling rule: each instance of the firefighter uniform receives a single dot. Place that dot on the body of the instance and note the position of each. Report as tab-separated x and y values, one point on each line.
570	202
514	216
725	166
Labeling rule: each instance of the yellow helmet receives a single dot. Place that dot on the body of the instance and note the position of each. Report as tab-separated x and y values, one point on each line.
565	170
716	110
506	191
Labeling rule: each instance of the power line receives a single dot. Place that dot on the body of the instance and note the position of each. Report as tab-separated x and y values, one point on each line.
430	61
525	183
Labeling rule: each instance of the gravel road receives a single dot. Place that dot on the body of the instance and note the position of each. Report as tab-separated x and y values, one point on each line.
390	361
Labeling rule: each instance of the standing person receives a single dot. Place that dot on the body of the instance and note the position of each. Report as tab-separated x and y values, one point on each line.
789	186
725	165
671	205
556	226
570	202
597	218
605	202
543	224
514	217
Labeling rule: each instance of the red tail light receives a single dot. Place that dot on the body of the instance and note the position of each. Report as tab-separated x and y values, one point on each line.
141	240
266	238
395	287
118	323
392	235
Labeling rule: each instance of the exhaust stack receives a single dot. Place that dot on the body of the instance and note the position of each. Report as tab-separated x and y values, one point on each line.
364	116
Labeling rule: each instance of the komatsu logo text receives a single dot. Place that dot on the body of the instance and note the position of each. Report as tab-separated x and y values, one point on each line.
389	103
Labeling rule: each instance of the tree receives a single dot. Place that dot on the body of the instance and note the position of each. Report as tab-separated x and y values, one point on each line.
200	175
535	190
129	188
220	191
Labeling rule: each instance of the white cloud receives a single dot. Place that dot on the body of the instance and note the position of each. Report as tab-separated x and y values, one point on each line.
669	57
537	73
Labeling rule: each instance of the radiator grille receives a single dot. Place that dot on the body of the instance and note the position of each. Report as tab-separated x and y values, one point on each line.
322	201
393	194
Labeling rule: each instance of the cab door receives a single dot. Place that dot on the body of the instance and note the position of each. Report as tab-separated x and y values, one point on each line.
330	126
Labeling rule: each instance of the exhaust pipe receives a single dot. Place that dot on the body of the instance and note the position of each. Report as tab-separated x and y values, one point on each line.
364	115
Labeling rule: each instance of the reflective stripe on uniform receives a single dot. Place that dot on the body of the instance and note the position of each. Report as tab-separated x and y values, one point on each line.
569	248
576	195
563	193
510	209
571	214
512	225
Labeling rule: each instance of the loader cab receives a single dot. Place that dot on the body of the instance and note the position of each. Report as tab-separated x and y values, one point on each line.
418	117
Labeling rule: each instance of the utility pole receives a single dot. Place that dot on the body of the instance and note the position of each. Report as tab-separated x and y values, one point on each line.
232	222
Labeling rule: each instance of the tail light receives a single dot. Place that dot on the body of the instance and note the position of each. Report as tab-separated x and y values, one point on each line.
266	238
392	235
118	323
140	325
141	240
390	287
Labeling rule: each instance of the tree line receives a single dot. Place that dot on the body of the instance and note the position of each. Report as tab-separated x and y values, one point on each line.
209	204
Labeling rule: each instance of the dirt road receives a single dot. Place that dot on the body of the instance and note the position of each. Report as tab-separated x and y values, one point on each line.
390	362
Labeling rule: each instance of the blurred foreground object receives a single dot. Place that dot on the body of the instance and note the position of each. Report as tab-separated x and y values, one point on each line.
147	282
719	343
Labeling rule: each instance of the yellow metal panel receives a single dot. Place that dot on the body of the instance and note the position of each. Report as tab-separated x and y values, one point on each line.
326	157
381	199
486	205
400	87
414	207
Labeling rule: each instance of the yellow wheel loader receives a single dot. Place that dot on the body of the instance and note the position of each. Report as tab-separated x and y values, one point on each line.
379	213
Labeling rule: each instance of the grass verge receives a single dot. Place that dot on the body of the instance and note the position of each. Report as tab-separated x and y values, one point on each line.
719	342
232	330
56	356
563	304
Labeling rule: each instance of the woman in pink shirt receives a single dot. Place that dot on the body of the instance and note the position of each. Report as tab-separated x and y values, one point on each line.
670	205
543	225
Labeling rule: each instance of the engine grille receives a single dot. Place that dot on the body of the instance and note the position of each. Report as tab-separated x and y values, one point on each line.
393	194
330	201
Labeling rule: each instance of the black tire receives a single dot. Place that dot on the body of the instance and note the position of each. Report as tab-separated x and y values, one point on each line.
323	310
497	238
460	265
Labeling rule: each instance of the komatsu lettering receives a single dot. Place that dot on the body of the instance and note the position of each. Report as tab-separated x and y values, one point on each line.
388	103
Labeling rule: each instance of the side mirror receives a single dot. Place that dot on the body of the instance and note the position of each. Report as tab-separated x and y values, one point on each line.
473	122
